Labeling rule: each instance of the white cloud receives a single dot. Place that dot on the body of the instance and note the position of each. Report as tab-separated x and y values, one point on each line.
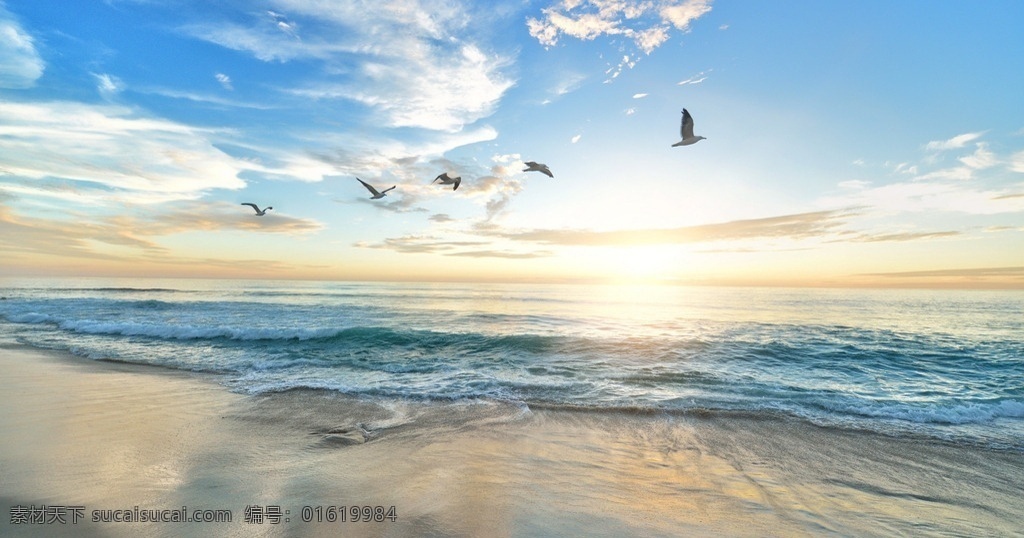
696	79
442	93
977	185
682	14
920	196
112	148
20	63
956	142
639	95
108	85
570	82
651	38
981	158
408	160
646	22
224	81
576	138
958	173
407	60
906	168
283	24
1017	162
854	184
203	98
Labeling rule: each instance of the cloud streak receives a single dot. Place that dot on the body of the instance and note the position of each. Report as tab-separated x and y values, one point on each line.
407	61
956	142
20	63
417	244
975	272
81	237
902	236
114	148
796	226
646	23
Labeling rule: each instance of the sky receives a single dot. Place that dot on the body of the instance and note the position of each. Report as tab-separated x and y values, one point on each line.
847	143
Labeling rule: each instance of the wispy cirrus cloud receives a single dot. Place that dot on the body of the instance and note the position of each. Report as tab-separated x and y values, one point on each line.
407	61
224	80
112	154
203	98
424	89
956	142
114	147
978	185
428	244
500	242
108	85
972	272
796	226
648	23
1016	162
441	218
981	158
20	63
927	196
504	254
135	230
196	215
415	160
421	244
900	236
696	79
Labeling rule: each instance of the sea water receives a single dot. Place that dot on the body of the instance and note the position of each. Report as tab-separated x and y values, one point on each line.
936	364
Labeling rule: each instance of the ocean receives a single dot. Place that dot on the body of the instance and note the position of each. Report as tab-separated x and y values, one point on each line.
932	364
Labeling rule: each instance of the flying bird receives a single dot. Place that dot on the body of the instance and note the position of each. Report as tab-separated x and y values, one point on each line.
445	179
259	212
686	130
538	167
376	195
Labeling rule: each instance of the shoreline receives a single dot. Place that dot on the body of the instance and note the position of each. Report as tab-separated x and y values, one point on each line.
113	436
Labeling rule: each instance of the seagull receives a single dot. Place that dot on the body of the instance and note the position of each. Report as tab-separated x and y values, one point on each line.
686	130
259	212
376	195
538	167
446	180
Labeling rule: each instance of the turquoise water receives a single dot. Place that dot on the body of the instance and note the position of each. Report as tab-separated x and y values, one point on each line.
936	364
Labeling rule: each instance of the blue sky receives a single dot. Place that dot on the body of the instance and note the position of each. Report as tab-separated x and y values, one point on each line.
848	143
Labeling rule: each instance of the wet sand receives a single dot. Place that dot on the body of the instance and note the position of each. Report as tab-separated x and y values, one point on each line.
106	436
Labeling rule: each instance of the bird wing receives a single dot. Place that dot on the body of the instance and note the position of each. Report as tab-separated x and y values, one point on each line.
544	168
369	187
686	128
458	181
443	177
251	205
386	190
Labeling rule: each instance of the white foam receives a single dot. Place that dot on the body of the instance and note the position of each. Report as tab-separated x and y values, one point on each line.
186	332
970	413
30	317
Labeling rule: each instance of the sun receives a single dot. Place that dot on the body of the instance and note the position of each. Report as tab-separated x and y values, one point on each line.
642	264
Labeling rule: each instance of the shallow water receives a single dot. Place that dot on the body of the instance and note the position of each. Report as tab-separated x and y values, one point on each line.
110	436
917	364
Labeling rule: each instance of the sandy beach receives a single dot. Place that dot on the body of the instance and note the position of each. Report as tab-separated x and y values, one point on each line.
105	440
